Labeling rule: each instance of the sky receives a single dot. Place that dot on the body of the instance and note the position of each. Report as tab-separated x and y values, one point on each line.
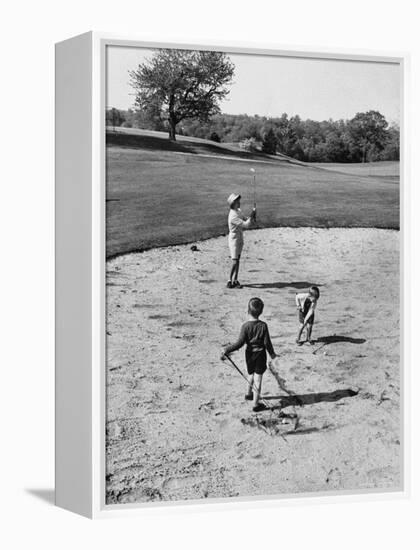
318	89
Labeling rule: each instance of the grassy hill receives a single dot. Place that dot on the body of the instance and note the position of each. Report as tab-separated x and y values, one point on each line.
149	139
161	193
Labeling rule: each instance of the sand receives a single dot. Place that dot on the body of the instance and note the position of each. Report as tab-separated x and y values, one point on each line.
178	426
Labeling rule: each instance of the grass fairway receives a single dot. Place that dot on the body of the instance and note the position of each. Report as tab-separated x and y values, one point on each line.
386	170
160	193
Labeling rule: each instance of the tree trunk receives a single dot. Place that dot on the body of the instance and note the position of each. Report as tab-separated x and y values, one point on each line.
365	150
172	126
172	119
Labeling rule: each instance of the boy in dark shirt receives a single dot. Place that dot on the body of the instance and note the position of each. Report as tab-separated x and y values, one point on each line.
254	333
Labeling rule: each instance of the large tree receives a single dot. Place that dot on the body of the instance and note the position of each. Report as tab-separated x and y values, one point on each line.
367	132
182	84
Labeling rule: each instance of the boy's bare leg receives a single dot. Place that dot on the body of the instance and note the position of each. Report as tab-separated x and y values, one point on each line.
309	333
299	334
235	276
250	386
233	270
257	388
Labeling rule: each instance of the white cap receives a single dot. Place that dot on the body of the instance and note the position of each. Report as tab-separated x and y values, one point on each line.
232	198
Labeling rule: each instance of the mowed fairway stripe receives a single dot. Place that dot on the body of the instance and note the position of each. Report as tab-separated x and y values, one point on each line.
230	159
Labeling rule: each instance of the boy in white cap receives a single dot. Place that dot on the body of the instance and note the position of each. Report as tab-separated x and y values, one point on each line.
237	223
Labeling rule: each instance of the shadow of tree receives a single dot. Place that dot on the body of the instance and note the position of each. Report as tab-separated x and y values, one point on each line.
162	143
144	142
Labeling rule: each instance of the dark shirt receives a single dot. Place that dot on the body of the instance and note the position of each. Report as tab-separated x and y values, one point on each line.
256	337
307	304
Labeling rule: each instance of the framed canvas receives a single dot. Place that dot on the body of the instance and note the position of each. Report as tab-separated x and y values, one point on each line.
230	282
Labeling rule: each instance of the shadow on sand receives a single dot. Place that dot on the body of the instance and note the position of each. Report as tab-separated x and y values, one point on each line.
294	284
311	398
273	425
335	339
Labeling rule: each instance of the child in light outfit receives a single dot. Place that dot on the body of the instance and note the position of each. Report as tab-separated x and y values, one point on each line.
237	222
306	304
254	333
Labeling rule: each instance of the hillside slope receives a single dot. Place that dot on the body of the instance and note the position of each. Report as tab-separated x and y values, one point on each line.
150	139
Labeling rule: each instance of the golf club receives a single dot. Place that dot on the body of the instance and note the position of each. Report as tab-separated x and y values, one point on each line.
252	170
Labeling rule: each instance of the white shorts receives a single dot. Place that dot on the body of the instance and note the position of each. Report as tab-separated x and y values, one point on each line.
235	247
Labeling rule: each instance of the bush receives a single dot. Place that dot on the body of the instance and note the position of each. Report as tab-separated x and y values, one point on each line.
269	144
215	137
249	144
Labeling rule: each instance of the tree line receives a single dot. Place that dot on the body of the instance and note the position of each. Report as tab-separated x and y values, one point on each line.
367	137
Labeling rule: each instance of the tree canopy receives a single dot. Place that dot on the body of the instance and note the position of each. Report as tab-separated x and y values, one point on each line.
180	84
367	131
269	142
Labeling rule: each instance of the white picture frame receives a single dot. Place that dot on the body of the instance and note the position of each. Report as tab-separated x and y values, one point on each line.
80	271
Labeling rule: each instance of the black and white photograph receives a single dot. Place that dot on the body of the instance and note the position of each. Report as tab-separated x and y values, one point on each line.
209	275
252	275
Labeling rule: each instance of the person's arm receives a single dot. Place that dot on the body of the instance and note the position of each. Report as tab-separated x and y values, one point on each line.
268	344
241	221
309	314
246	224
297	300
238	344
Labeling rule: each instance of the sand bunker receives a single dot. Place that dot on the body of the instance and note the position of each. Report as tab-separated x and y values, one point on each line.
177	425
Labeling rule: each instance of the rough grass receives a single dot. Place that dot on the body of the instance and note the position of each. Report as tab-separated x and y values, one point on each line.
159	193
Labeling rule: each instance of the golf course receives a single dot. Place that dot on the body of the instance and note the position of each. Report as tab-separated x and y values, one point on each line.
161	192
178	426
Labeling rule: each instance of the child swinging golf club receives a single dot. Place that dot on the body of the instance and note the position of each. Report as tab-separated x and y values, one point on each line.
306	304
237	223
254	333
